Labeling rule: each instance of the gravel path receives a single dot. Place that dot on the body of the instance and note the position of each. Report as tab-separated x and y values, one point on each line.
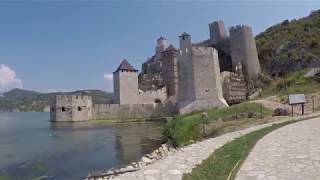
289	153
185	159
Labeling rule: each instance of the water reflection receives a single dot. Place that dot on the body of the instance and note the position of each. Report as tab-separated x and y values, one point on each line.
147	135
31	147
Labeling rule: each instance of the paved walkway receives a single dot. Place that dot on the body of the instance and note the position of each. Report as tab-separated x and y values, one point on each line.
185	159
289	153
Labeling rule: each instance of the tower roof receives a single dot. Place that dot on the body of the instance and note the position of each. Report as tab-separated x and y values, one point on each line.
162	38
171	47
125	65
184	34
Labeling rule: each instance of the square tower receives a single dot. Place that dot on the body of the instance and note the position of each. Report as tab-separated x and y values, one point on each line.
217	31
199	77
126	88
71	108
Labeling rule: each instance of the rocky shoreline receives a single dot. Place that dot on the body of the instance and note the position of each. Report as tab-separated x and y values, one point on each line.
163	151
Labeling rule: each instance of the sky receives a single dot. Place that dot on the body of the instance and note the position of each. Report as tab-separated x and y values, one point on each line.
50	46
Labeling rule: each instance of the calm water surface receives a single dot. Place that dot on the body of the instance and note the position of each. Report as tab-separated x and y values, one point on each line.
32	147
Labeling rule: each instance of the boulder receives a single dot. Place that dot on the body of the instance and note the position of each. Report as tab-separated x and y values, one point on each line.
281	112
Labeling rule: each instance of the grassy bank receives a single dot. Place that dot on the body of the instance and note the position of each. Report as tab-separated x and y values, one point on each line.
184	129
224	163
293	83
112	121
4	177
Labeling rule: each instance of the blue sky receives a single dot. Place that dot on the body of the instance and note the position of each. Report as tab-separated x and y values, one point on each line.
64	46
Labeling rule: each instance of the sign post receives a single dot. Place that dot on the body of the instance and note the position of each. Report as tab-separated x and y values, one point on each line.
295	99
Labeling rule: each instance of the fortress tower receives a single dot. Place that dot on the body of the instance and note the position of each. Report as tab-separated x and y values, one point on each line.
199	77
125	81
162	45
71	108
217	31
244	50
170	70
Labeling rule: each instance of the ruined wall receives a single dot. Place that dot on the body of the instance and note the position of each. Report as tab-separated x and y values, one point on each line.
170	71
243	49
133	111
233	87
71	108
150	96
126	87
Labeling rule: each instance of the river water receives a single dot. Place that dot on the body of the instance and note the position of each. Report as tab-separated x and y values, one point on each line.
32	147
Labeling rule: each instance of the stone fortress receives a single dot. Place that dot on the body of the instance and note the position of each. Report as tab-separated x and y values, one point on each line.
197	76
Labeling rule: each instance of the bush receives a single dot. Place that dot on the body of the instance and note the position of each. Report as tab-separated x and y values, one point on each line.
182	129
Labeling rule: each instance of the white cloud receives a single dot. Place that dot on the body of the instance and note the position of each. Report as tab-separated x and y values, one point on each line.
8	79
109	78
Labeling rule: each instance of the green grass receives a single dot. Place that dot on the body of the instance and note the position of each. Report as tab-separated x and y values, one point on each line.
4	177
221	163
184	129
295	82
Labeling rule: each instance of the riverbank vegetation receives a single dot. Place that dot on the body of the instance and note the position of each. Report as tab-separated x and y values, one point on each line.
225	162
293	83
185	129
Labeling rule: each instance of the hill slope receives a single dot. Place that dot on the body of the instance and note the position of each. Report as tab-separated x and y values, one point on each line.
24	100
290	45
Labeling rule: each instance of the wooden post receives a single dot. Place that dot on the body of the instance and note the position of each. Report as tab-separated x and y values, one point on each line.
312	103
302	108
261	111
291	109
236	111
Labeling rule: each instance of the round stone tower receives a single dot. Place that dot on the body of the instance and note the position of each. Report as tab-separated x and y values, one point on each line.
244	51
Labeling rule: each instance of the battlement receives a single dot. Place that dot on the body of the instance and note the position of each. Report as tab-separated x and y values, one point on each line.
152	96
203	49
240	27
71	108
67	97
158	91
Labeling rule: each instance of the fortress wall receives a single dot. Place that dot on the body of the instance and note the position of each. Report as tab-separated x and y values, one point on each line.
81	108
234	87
133	111
186	87
71	108
206	73
126	88
217	31
206	84
170	71
243	49
149	97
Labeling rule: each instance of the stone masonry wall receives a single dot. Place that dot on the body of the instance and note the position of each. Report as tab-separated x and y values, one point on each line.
133	111
126	87
206	85
233	87
150	97
71	108
170	71
186	92
243	49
